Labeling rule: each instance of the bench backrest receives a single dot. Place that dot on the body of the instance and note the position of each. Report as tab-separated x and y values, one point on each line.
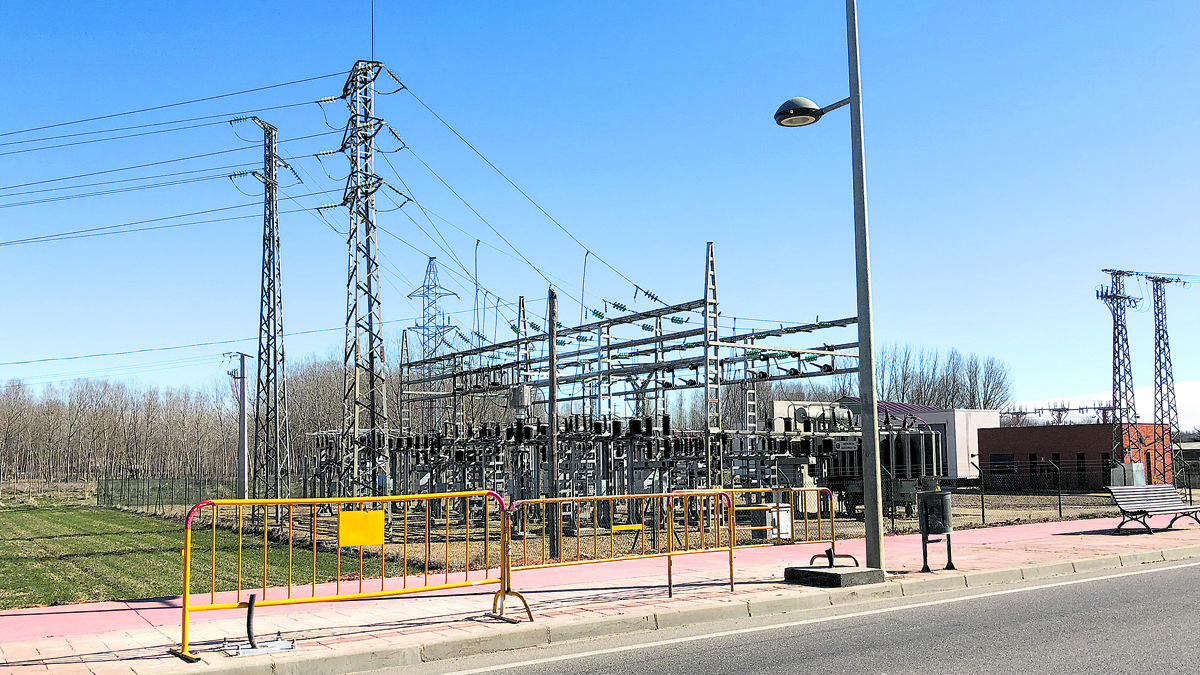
1134	497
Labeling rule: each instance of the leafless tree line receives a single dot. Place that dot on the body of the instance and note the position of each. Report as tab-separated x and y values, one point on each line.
950	380
92	429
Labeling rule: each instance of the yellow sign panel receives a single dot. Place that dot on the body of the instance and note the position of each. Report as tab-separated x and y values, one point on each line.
360	528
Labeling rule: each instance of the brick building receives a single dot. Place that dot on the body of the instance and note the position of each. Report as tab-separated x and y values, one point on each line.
1078	455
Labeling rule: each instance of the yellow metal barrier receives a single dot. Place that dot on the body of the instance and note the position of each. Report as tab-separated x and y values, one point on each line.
770	516
296	551
577	530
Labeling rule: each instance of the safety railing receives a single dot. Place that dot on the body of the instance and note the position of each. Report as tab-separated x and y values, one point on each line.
296	551
324	550
771	516
576	530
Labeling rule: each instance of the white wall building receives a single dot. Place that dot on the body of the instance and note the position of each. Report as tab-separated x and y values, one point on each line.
960	437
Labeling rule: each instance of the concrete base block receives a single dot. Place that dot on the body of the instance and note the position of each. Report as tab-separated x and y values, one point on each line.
992	577
1048	570
833	577
601	627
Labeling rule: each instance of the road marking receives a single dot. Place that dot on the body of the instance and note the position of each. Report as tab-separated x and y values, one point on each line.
806	622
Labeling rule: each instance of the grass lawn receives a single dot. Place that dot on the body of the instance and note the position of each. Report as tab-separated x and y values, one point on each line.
52	556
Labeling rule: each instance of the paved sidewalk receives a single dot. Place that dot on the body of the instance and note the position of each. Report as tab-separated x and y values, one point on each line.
568	603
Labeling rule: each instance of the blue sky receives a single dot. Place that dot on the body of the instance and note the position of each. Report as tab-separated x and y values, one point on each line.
1014	149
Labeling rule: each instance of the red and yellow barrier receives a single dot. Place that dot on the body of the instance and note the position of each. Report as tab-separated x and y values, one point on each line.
296	551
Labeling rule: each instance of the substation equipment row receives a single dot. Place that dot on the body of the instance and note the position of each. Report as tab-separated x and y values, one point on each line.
490	416
819	446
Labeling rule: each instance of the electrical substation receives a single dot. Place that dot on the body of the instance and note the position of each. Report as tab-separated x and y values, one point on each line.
558	410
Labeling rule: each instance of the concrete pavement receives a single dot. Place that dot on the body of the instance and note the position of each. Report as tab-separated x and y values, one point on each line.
568	603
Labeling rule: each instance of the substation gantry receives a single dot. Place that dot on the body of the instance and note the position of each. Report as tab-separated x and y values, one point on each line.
613	432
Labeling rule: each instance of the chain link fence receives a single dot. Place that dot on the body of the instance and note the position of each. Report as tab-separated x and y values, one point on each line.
161	496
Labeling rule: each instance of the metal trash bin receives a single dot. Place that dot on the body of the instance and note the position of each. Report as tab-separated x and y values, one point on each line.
933	512
935	517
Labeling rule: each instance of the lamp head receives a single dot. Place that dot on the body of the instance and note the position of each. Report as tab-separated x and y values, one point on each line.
797	112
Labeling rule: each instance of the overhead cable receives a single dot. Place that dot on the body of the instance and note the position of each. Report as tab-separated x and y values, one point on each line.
526	196
159	163
170	105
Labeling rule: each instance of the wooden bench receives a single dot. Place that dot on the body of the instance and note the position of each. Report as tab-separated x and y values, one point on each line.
1139	502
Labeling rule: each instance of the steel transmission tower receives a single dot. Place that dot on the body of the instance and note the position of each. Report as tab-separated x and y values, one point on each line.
272	442
1124	414
1166	414
434	326
432	331
364	462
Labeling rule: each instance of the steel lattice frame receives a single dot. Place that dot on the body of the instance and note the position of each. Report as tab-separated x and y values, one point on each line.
272	443
712	372
605	361
432	331
1166	414
1124	414
364	440
434	326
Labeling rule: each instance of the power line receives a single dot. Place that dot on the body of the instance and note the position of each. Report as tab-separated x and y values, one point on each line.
159	163
112	138
523	193
222	117
109	229
481	218
101	193
131	180
168	105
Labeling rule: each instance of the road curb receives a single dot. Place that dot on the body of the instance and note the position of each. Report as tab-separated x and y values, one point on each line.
1044	570
1092	564
551	631
707	614
602	627
993	577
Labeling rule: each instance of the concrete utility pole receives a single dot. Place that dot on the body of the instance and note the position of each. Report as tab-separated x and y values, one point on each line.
243	464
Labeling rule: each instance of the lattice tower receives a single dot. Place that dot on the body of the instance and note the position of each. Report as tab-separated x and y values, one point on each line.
434	326
1124	414
271	477
431	333
364	464
712	374
1166	414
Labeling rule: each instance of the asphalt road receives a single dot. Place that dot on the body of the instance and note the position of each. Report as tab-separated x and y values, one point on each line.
1140	621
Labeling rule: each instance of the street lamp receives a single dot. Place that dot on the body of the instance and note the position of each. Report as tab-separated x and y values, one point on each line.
798	112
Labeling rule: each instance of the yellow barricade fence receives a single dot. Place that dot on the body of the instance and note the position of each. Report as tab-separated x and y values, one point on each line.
295	551
577	530
771	516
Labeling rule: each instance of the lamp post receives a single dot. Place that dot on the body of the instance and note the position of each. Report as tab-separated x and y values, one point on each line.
798	112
